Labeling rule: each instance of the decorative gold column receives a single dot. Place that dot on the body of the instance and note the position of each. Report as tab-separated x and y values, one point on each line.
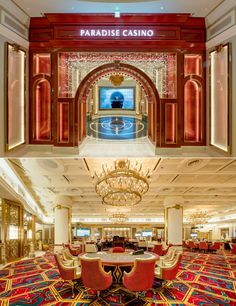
174	220
12	220
62	225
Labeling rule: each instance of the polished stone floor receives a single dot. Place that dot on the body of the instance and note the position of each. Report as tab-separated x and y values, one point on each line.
116	128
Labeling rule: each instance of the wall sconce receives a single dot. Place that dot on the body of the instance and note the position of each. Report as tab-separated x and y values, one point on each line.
117	13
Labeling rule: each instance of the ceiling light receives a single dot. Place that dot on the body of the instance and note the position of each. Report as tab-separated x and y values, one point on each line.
123	184
198	218
118	218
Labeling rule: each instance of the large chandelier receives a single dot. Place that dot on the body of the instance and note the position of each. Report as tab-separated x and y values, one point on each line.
198	218
123	184
118	218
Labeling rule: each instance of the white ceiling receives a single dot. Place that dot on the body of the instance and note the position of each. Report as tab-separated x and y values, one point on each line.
199	8
204	184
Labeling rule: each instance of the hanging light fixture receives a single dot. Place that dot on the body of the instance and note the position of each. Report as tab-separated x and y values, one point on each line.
123	184
198	218
118	218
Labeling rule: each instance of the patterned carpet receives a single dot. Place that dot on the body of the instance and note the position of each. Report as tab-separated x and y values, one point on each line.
204	279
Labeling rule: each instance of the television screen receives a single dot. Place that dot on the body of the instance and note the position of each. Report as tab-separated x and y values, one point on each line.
83	232
116	98
147	233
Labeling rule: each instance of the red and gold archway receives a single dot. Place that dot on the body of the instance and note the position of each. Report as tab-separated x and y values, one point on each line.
120	68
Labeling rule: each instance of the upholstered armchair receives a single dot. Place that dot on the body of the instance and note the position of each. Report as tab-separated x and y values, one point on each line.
192	245
168	258
141	277
169	271
74	251
91	248
203	246
233	248
215	247
118	250
73	260
157	249
68	274
185	245
93	275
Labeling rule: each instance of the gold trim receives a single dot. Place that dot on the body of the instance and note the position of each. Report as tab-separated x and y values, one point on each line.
229	99
6	72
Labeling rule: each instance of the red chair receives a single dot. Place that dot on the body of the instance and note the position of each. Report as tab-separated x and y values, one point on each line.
141	277
93	275
69	274
185	245
215	247
192	245
169	272
165	251
74	251
118	250
233	248
157	249
203	246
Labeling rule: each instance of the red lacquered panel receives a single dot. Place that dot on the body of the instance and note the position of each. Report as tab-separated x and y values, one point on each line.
192	111
193	64
42	63
42	107
170	123
63	122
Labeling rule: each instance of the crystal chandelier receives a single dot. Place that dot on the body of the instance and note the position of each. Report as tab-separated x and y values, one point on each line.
198	218
122	184
118	218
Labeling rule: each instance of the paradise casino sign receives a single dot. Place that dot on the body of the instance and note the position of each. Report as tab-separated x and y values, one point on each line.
116	32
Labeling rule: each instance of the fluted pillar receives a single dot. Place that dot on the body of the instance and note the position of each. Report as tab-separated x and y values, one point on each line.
174	220
62	209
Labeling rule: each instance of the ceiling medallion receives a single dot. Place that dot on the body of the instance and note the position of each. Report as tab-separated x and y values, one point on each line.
123	184
118	218
116	80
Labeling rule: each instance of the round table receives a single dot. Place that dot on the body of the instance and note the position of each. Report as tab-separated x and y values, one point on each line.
118	262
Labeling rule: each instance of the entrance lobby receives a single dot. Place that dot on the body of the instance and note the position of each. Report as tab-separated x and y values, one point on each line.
117	152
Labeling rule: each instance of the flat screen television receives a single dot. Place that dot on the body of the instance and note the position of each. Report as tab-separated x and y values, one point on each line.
116	98
83	232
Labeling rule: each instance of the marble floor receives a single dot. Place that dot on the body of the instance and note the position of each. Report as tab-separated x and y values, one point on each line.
140	147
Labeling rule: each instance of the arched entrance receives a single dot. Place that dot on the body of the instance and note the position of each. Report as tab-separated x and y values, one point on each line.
117	67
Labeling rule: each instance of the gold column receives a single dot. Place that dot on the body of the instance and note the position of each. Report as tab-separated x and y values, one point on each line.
12	219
